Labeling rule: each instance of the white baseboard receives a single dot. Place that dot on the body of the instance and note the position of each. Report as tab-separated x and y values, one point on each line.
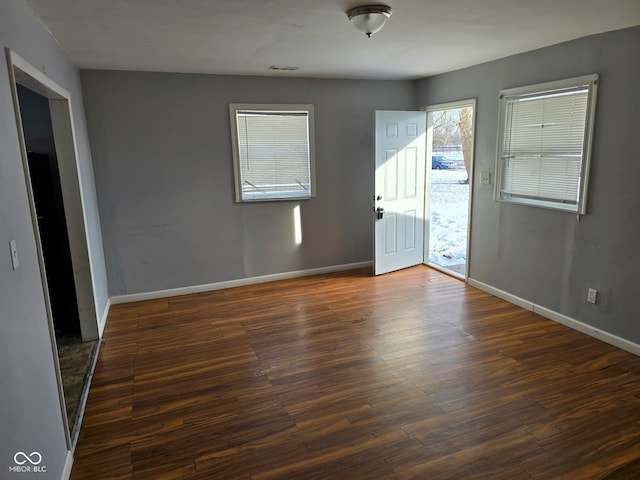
521	302
68	464
174	292
606	337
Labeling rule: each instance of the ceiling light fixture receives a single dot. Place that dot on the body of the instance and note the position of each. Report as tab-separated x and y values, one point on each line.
369	19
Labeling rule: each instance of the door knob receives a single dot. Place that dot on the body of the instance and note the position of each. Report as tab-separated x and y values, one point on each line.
379	213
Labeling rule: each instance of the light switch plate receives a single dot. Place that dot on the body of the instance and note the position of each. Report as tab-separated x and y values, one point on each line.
485	178
14	254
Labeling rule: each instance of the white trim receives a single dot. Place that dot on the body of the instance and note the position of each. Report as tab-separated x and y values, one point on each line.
582	327
40	78
174	292
546	87
607	337
449	105
103	319
473	103
521	302
82	256
68	465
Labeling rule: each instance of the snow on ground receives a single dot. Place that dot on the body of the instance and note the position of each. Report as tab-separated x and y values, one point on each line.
449	211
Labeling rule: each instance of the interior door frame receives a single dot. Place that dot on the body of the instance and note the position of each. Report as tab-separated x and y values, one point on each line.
23	73
427	192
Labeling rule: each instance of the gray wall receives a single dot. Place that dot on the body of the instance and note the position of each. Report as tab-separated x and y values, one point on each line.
544	256
30	417
161	147
162	156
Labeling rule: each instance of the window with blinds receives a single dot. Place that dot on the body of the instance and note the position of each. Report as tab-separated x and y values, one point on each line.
273	152
545	144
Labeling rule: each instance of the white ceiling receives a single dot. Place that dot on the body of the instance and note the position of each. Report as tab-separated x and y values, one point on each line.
422	37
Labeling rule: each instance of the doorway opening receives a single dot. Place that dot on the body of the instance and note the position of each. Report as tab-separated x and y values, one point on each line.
422	192
450	134
52	224
45	128
74	355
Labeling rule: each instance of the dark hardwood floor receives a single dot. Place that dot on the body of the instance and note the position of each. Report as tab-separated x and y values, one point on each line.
412	375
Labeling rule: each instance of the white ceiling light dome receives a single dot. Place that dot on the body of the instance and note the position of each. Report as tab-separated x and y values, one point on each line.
369	19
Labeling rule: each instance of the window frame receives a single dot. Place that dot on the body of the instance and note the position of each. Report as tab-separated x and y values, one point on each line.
234	108
590	82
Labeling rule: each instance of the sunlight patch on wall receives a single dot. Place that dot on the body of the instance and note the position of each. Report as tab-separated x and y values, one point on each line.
297	225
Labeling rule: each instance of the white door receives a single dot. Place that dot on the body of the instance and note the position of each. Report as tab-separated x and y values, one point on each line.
399	190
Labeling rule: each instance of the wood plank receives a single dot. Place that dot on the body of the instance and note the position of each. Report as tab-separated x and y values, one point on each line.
411	375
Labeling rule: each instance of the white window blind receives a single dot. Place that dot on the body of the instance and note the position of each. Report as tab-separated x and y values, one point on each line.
273	151
543	156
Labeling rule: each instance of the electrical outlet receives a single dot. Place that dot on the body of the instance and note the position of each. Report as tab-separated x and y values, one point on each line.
485	178
592	296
